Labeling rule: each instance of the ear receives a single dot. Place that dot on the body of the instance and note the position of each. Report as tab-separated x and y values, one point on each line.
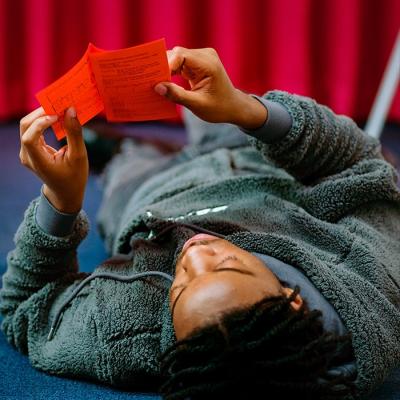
297	302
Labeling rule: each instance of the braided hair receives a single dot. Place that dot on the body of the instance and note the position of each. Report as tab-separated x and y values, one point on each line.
267	348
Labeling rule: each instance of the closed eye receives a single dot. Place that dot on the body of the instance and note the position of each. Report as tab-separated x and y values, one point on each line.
240	271
225	260
232	268
222	269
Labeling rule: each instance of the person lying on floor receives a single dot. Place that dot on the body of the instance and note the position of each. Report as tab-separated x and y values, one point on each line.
278	226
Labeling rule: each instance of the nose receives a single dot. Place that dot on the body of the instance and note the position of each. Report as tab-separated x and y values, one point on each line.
199	259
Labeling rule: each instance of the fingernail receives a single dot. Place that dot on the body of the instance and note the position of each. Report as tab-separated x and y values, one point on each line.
72	112
161	89
52	118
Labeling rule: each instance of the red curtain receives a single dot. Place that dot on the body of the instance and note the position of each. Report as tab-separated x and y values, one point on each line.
332	50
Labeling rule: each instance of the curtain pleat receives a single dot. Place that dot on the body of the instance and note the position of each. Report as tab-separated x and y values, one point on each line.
332	50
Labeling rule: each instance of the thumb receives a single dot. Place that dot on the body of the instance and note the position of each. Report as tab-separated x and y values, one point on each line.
176	93
73	128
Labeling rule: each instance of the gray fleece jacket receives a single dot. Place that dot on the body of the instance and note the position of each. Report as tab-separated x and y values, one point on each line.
320	199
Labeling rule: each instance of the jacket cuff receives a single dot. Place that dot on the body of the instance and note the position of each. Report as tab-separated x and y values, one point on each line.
277	125
52	221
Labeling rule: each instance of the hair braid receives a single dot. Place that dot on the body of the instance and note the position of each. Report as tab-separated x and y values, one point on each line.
268	347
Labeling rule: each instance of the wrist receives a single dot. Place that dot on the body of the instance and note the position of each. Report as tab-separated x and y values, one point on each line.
250	114
51	221
61	203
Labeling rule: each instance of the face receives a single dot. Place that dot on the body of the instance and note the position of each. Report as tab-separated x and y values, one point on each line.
213	276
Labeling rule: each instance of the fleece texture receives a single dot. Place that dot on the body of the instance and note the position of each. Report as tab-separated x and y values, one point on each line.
321	199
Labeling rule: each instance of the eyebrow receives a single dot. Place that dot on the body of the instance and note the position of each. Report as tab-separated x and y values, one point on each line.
239	271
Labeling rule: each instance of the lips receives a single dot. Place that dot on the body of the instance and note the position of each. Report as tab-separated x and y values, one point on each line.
195	238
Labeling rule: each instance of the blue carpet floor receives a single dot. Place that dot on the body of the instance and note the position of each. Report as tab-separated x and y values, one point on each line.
18	380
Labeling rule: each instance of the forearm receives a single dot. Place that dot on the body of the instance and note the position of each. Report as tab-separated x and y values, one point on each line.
319	143
51	220
276	125
38	259
253	114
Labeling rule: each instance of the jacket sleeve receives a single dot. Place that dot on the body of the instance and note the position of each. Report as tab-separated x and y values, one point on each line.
319	142
41	271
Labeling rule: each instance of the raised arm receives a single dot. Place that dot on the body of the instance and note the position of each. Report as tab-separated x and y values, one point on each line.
40	269
306	139
43	267
318	144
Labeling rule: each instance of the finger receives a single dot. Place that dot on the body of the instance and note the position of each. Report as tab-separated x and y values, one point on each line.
177	94
176	62
24	158
50	150
60	153
182	60
31	137
181	67
35	155
26	122
75	141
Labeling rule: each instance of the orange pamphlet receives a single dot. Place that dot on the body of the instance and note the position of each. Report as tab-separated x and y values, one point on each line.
119	81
